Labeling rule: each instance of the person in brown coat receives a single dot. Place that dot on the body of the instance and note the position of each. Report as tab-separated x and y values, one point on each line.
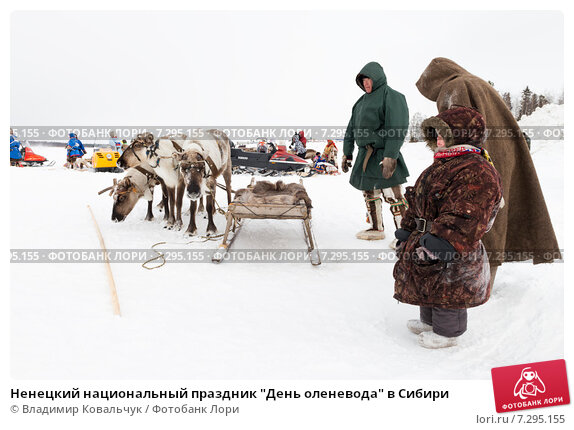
442	264
523	230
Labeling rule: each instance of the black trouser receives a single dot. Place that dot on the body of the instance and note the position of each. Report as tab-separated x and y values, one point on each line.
445	322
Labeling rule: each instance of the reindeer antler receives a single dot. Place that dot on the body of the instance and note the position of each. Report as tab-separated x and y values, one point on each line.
112	188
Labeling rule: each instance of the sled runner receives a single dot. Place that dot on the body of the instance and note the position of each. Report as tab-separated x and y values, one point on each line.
275	204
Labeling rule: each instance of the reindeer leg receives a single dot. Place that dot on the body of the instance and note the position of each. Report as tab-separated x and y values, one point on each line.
211	228
149	215
192	229
165	201
178	203
164	205
171	204
201	207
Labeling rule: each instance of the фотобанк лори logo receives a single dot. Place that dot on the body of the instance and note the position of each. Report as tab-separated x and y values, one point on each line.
529	386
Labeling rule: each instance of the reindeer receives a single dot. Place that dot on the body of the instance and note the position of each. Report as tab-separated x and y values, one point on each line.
200	163
157	157
136	184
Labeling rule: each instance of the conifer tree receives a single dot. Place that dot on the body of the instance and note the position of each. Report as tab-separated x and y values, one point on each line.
415	132
525	103
507	100
533	103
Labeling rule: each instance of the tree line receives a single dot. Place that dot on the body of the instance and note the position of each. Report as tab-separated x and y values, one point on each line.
529	101
524	105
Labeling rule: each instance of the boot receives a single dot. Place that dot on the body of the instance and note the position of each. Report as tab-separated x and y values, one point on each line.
418	327
370	234
394	197
431	340
374	217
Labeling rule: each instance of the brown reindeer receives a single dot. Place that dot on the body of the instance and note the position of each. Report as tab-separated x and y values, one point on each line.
131	159
136	184
200	164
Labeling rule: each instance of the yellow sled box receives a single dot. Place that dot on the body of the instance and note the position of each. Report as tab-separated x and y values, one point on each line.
105	159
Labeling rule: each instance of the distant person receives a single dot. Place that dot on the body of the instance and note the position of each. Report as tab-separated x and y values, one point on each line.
330	153
75	150
302	138
523	229
15	149
378	126
319	163
297	146
262	147
114	142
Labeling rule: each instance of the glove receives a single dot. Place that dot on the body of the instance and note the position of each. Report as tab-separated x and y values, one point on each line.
402	236
424	255
388	166
440	248
346	163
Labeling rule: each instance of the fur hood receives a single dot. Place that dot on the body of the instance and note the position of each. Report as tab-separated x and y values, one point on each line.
457	126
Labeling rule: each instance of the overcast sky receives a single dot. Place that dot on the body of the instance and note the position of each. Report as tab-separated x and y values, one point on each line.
258	68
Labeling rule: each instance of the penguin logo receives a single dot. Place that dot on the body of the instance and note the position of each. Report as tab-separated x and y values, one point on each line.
529	384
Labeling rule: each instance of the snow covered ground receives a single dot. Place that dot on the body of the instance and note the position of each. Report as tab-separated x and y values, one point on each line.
249	321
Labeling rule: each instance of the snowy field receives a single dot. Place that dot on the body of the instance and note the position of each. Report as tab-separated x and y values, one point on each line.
249	321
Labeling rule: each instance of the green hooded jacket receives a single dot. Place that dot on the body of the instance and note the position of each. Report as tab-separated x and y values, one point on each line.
379	119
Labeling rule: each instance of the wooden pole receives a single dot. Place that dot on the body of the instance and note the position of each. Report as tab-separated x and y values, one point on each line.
113	291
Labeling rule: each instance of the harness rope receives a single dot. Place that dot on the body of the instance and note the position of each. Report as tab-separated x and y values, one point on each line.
161	256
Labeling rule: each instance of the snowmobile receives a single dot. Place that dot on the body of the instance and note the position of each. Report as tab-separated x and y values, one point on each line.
276	160
31	159
105	160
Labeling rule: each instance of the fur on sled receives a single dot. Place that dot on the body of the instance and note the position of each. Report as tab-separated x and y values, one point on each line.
266	192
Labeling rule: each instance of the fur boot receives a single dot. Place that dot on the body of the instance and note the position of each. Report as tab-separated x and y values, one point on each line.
418	327
375	217
431	340
394	197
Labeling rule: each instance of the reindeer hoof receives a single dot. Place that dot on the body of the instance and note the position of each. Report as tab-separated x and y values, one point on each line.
149	218
191	232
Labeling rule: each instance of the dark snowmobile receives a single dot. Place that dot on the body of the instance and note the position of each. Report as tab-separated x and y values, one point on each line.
277	159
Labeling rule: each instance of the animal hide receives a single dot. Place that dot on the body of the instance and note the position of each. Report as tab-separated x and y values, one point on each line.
266	192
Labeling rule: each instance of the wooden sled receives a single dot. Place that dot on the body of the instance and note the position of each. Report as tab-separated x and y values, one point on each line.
239	210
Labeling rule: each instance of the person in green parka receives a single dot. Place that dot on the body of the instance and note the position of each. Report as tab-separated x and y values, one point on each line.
378	127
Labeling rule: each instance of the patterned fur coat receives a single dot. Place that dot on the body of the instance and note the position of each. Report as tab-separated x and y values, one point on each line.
460	196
